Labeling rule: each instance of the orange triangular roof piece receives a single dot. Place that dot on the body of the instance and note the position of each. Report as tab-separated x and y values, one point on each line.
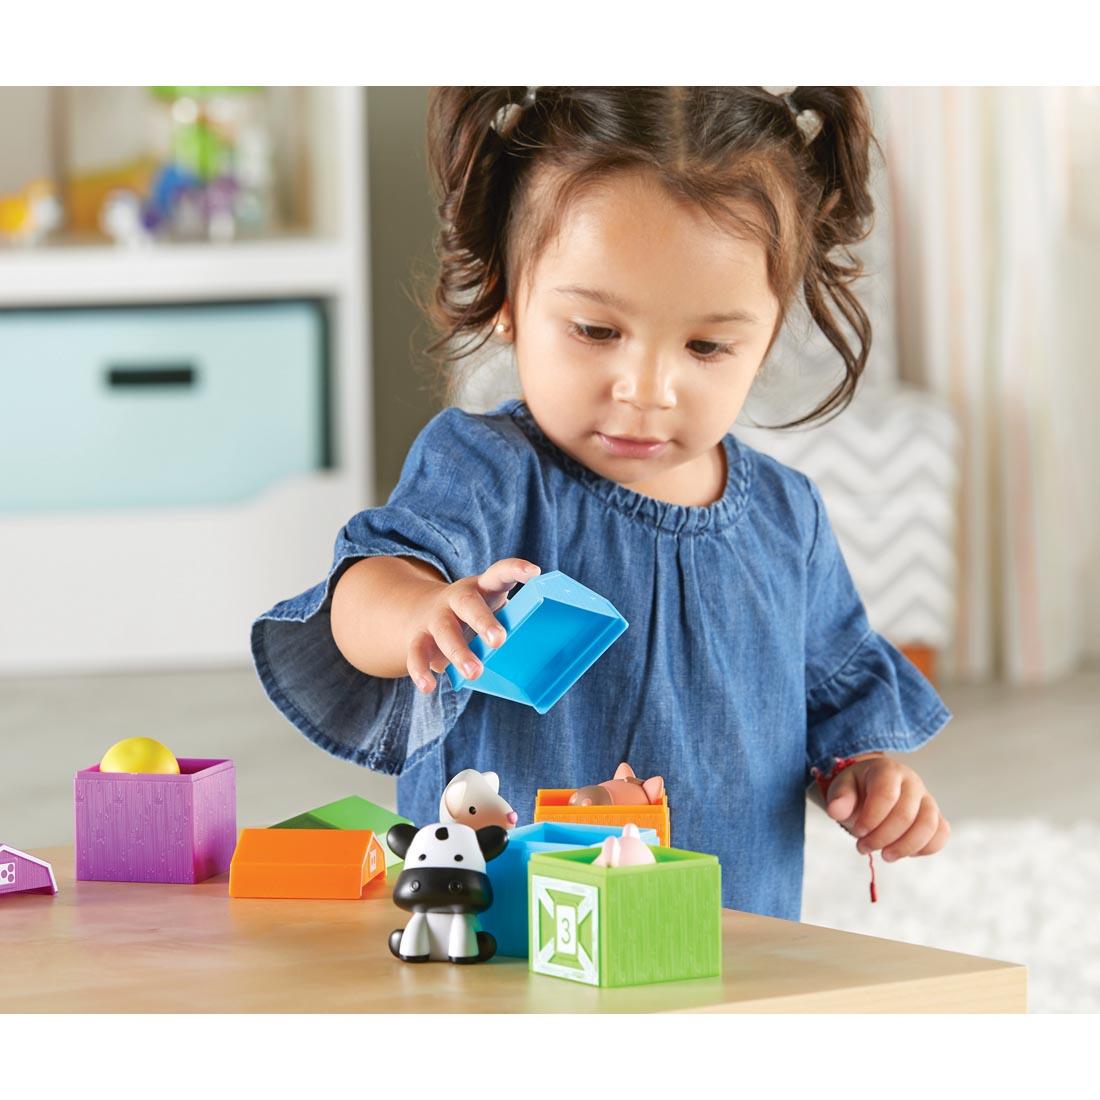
305	863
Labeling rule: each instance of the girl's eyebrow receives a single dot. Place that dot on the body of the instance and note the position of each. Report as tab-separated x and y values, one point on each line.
607	298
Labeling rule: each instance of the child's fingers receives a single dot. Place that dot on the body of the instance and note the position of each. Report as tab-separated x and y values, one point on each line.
943	831
896	823
843	796
424	658
470	606
447	632
497	581
882	788
919	833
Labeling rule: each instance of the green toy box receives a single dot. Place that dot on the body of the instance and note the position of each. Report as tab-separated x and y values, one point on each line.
352	812
617	926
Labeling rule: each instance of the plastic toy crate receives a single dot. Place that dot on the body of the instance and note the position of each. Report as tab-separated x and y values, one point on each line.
556	629
625	925
506	918
156	828
552	804
618	926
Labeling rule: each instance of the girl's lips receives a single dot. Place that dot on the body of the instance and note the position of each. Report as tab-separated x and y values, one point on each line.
624	447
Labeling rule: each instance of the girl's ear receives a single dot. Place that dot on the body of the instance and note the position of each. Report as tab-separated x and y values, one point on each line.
503	323
493	780
624	771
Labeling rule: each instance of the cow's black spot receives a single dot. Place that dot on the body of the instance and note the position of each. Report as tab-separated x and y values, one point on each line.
458	858
441	833
423	855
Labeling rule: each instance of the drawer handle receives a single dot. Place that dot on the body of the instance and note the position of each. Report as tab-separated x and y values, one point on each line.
159	376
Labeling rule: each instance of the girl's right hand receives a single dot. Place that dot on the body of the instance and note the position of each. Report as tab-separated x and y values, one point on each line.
438	638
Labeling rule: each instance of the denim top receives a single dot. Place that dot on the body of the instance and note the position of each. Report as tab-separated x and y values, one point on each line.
748	659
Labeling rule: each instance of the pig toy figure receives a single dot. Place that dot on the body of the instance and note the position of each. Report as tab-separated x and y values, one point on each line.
624	789
629	851
472	798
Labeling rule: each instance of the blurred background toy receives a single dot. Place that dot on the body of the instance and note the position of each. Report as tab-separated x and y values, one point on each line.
139	756
209	174
473	798
29	215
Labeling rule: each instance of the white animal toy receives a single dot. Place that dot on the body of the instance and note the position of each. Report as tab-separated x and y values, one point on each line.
473	798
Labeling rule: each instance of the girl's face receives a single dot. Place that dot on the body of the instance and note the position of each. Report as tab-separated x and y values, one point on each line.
641	335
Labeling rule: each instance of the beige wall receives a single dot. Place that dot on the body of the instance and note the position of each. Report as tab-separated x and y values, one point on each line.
402	224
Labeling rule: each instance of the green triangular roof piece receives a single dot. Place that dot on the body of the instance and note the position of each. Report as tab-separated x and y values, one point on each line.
352	812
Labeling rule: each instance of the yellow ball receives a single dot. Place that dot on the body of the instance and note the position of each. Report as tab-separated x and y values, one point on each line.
139	755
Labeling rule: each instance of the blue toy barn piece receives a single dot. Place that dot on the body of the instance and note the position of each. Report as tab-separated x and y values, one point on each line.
556	629
506	919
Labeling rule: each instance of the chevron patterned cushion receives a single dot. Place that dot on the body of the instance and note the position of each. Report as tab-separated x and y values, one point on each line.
887	471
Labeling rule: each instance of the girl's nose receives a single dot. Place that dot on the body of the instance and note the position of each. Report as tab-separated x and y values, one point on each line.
646	385
513	817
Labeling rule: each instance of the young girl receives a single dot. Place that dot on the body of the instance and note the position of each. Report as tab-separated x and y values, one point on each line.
640	249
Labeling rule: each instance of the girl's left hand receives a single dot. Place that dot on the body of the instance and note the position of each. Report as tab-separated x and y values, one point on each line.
886	804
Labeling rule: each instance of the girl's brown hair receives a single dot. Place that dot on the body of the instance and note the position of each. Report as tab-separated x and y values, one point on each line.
739	154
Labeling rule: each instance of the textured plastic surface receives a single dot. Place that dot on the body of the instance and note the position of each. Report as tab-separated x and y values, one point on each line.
506	918
618	926
24	874
305	863
352	812
556	629
552	804
156	828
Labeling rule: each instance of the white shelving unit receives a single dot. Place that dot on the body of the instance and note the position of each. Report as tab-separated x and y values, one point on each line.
178	587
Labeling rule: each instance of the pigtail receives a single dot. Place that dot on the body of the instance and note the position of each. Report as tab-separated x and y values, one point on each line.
835	127
473	176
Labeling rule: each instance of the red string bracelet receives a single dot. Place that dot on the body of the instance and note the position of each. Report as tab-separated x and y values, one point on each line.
823	781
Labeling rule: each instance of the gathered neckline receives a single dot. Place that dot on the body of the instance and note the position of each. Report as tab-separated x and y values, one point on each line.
680	519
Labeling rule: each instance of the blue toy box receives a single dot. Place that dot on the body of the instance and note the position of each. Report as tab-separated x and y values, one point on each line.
556	629
507	917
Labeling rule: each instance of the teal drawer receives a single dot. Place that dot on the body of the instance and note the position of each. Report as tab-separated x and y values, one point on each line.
159	406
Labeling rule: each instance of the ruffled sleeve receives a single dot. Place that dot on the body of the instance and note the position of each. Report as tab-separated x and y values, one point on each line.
862	694
457	507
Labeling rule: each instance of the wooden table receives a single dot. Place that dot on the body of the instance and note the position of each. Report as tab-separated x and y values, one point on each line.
143	947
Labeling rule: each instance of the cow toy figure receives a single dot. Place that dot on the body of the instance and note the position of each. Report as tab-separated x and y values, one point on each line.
444	886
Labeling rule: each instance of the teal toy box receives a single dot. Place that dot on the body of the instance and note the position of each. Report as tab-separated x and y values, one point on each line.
506	918
619	926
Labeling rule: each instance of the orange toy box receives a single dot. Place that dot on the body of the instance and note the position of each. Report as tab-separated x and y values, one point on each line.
552	804
305	863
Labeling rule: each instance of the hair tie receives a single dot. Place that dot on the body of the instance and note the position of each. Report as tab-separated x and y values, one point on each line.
507	118
807	120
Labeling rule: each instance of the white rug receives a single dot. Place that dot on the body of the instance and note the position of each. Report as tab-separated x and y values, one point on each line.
1022	891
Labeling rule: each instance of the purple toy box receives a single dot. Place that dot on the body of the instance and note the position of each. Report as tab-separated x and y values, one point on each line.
156	828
